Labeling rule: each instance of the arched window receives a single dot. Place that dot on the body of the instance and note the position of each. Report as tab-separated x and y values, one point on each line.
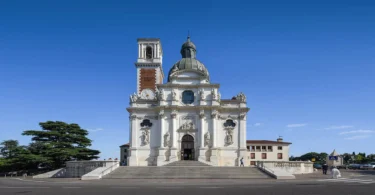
148	52
146	123
229	123
188	97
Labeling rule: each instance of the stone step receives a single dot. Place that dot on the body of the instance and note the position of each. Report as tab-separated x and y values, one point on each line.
187	172
185	163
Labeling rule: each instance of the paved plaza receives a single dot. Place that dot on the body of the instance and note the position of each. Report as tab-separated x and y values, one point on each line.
352	182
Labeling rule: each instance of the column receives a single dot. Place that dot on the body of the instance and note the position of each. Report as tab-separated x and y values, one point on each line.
156	50
139	51
133	160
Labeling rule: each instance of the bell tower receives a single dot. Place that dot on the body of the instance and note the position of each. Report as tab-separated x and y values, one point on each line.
149	66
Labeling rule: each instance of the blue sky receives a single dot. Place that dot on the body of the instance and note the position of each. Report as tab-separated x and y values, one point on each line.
307	68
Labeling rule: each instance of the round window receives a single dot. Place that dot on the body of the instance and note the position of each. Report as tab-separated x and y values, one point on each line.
188	97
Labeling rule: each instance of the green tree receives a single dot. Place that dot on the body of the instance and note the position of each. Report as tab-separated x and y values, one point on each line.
358	158
60	142
371	157
323	157
8	148
347	158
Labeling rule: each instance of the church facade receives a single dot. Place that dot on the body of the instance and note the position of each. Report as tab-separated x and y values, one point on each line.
185	118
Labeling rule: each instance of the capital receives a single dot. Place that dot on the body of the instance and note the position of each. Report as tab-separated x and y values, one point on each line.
201	114
132	117
174	113
214	114
161	114
242	116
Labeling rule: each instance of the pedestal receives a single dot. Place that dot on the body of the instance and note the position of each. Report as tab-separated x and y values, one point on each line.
160	159
214	157
132	160
173	157
202	155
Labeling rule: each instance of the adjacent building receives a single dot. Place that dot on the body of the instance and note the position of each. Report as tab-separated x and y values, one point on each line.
337	160
124	152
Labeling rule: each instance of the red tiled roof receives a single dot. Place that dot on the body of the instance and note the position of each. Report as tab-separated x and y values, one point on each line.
265	142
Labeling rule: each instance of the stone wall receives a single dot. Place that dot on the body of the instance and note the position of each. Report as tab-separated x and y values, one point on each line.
293	167
79	168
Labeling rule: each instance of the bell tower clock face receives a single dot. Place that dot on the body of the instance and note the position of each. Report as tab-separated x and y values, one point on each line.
147	94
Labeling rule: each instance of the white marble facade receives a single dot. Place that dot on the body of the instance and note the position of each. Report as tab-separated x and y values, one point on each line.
185	118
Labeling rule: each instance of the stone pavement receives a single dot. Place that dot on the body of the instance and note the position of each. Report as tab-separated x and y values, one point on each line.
184	187
348	177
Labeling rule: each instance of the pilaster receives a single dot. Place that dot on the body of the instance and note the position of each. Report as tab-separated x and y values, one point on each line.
214	128
160	160
133	159
173	151
214	158
242	153
202	148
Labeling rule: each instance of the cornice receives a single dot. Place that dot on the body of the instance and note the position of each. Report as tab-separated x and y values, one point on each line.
172	85
197	108
147	64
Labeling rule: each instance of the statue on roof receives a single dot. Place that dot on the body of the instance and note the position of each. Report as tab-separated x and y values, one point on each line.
133	98
241	96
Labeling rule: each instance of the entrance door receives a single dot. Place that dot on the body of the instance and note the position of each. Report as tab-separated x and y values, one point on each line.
187	147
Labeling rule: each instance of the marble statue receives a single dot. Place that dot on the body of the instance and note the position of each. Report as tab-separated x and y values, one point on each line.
200	67
201	94
218	95
213	93
167	139
133	98
144	138
161	94
188	125
175	69
241	97
229	138
207	138
174	95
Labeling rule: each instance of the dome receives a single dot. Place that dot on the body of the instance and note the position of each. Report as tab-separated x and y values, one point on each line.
188	61
188	44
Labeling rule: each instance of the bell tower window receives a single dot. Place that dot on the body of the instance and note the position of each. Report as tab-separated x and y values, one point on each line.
148	52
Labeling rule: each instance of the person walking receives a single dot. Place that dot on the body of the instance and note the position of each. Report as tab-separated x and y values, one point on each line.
325	168
242	165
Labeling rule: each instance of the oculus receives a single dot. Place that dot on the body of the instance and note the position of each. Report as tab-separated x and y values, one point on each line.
188	97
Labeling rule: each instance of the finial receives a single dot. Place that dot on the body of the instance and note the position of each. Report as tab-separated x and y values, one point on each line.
188	37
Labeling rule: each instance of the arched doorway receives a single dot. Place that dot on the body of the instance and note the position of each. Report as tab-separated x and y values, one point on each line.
187	148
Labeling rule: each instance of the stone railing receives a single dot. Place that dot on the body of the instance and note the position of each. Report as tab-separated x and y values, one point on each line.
80	168
293	167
